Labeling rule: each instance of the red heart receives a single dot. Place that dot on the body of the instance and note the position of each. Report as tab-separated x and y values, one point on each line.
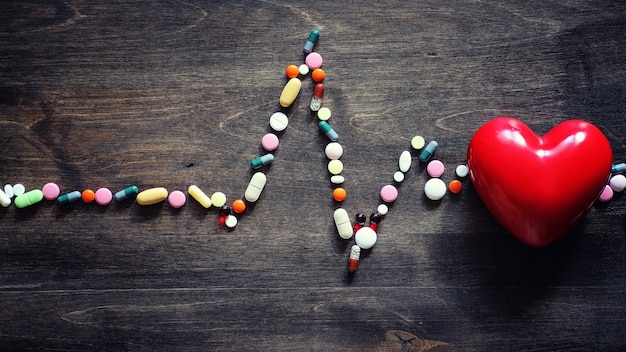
538	187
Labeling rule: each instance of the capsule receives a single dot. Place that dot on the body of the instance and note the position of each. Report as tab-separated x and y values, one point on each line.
342	222
69	197
328	131
290	92
617	168
262	161
255	187
318	94
428	151
355	254
29	198
196	193
311	41
126	193
152	196
5	201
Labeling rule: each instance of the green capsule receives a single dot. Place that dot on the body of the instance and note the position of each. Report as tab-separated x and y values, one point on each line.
127	192
29	198
311	41
428	151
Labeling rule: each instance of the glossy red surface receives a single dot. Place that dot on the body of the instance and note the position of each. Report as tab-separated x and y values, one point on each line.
538	187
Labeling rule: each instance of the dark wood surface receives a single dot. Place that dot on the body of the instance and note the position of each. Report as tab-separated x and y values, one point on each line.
172	93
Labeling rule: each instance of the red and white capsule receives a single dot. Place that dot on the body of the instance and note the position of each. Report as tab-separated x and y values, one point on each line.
318	94
353	262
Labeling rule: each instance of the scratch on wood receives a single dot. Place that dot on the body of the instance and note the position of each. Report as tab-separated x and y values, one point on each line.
399	340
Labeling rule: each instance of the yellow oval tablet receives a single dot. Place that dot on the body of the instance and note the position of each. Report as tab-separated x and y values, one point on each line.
290	92
152	196
200	196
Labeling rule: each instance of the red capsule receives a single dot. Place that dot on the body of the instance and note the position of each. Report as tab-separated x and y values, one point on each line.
318	92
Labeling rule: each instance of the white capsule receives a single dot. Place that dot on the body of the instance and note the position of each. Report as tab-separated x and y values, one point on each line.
255	187
365	237
337	179
342	222
5	201
8	190
404	162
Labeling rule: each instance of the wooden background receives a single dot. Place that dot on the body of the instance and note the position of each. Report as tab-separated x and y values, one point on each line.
172	93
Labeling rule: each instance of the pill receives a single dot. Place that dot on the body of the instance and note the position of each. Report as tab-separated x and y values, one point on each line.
152	196
316	99
328	131
335	167
435	189
303	69
462	171
262	161
18	189
428	151
398	176
5	201
388	193
269	142
51	191
342	222
103	196
607	194
88	196
337	179
435	168
382	209
339	194
292	71
417	142
314	60
311	41
333	150
230	221
353	261
29	198
324	114
455	186
618	182
8	190
318	75
617	168
365	237
218	199
279	121
177	199
69	197
290	92
196	193
255	187
404	162
128	192
239	206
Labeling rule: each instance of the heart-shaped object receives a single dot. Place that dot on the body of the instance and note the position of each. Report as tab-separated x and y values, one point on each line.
538	187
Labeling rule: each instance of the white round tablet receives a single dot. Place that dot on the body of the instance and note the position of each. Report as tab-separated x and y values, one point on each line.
333	151
303	69
279	121
18	189
435	189
324	114
462	170
365	237
617	183
382	209
231	221
417	142
398	176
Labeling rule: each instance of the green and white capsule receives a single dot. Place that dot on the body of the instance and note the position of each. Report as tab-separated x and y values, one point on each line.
69	197
428	151
262	161
126	193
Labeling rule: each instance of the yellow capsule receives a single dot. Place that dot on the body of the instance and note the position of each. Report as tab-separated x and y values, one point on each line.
152	196
290	92
197	194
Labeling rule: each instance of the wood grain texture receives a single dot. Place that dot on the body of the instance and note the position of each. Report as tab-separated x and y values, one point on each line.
172	93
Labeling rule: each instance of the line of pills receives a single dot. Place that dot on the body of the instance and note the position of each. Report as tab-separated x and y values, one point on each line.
617	183
229	215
